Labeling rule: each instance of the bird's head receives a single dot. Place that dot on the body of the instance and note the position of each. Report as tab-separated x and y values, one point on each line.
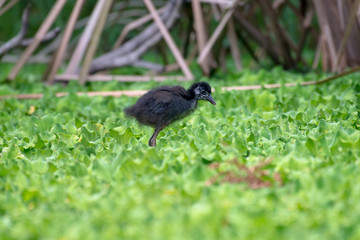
202	91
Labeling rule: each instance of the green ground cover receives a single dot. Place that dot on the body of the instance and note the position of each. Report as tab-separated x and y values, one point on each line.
75	168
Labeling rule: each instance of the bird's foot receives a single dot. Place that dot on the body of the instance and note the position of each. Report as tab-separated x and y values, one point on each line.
152	142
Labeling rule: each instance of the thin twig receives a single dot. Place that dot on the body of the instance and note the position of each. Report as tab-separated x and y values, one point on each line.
16	41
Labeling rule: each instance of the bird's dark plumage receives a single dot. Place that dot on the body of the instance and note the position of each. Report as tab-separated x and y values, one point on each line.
163	105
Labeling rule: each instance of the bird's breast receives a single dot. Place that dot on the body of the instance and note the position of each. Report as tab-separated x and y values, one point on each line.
193	104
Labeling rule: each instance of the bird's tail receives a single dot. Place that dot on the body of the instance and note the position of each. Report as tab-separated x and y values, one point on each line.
129	111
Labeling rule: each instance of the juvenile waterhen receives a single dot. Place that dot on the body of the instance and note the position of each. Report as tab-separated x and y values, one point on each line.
163	105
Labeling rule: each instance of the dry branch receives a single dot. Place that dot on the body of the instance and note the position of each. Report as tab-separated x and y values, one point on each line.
38	38
283	45
49	36
350	25
133	25
19	41
149	65
84	40
168	39
258	36
2	2
16	41
8	6
335	25
204	53
133	49
106	5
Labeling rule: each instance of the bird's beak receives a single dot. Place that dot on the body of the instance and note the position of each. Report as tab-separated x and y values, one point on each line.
210	99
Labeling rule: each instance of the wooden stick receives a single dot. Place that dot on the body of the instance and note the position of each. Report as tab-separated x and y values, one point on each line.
128	78
129	93
204	53
7	6
94	40
136	93
174	49
59	55
84	40
345	38
38	37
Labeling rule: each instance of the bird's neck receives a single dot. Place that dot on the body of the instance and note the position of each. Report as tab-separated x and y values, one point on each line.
190	94
194	103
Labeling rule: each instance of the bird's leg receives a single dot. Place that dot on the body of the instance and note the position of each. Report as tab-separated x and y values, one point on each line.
152	141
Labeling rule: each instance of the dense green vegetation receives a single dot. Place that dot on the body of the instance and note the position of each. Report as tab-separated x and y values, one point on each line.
75	168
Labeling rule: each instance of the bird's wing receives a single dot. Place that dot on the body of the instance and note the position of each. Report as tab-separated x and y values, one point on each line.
159	101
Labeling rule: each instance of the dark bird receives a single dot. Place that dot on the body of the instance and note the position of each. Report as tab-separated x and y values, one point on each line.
163	105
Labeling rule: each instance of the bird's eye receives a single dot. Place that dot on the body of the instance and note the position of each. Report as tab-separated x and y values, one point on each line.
203	92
